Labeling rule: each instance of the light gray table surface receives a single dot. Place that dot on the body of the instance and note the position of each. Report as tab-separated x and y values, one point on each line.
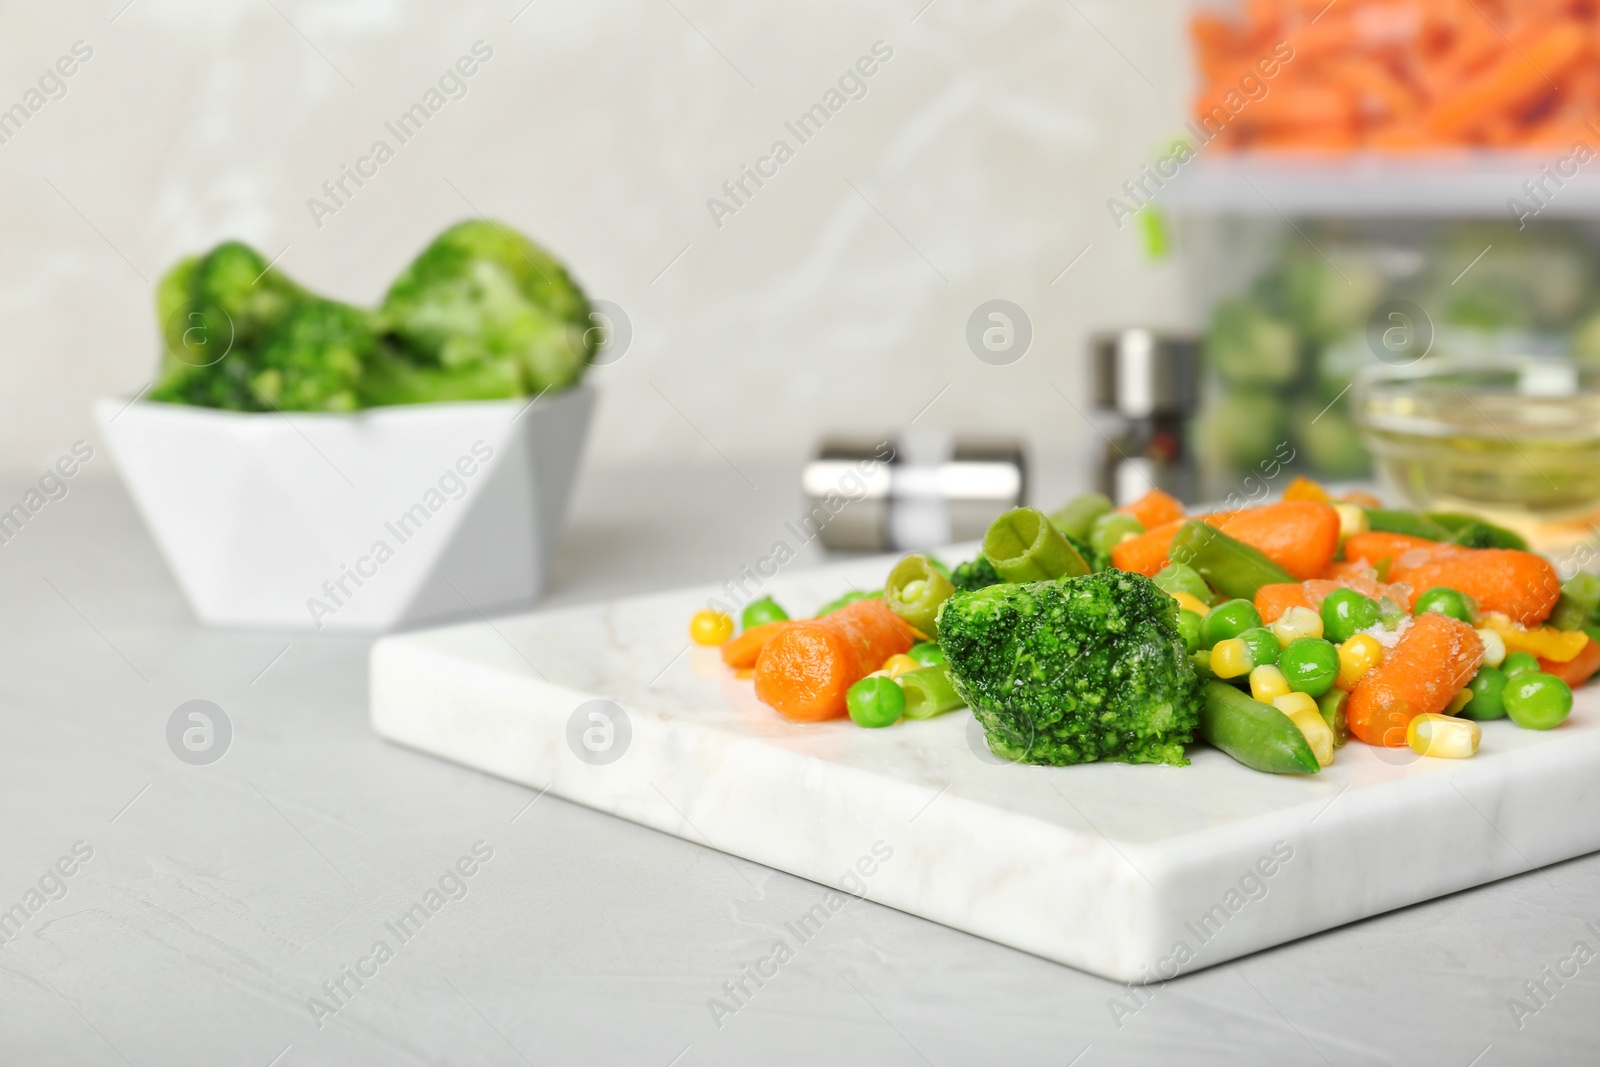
218	899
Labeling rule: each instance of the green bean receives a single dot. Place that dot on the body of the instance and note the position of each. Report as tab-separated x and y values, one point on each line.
1229	566
1076	516
1332	706
1201	659
929	692
1176	578
1410	523
1472	532
1580	596
1023	547
915	590
1257	735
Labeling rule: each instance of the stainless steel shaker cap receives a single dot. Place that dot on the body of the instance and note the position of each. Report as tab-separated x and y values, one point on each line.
1139	373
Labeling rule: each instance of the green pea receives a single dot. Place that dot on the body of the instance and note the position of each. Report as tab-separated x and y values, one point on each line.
876	701
1445	601
1111	529
1344	612
1536	700
1227	620
762	611
1262	644
1189	629
1519	661
1310	664
1488	688
927	653
1176	578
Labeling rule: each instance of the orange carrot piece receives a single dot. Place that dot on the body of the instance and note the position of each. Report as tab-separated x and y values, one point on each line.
1347	569
1434	659
740	652
806	669
1577	670
1154	509
1300	536
1520	585
1275	599
1303	488
1516	78
1146	554
1374	545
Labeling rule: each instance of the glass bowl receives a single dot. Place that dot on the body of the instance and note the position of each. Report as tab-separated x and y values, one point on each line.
1516	441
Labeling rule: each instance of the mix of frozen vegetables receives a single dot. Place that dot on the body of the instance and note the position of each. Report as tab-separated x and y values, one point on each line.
482	314
1275	633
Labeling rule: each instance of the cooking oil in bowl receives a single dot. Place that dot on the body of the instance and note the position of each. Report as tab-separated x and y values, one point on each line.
1516	442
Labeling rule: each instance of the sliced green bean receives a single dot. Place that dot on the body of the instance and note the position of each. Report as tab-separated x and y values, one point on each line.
915	590
929	692
1332	706
1023	546
1410	523
1078	514
1229	566
1257	735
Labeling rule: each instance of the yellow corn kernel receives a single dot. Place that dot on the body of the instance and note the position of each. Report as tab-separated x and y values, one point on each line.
709	627
1230	658
1190	602
1352	520
899	664
1290	703
1267	683
1494	648
1357	656
1459	701
1442	735
1295	623
1316	732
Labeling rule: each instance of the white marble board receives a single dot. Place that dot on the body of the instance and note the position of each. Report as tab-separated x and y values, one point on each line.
1133	873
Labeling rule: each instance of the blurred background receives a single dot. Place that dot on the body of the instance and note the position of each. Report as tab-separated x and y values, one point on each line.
976	166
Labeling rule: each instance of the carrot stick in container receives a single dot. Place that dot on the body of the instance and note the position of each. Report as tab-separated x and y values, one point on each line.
806	669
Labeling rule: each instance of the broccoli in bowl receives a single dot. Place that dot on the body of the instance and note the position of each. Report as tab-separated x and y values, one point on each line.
1074	670
483	313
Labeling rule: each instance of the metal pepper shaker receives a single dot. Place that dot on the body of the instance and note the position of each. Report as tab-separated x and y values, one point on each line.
1150	383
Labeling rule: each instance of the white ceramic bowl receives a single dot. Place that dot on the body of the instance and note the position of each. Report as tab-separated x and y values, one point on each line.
369	521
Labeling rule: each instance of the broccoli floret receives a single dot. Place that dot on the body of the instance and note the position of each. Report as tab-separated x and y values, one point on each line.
485	302
975	574
1074	670
1097	561
241	335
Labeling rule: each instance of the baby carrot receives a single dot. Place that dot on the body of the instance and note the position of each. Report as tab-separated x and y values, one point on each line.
1154	509
807	667
1374	545
740	652
1300	536
1275	599
1146	554
1435	658
1577	670
1517	584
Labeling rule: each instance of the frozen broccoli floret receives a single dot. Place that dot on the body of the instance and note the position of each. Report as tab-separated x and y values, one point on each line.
240	335
487	304
1074	670
975	574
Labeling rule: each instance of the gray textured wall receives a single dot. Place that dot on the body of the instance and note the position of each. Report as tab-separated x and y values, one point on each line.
976	165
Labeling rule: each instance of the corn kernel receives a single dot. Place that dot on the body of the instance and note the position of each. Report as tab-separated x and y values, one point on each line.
899	664
1230	658
1494	648
1296	623
1352	520
1267	683
1459	701
1357	656
1190	602
1441	735
1289	703
1316	732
